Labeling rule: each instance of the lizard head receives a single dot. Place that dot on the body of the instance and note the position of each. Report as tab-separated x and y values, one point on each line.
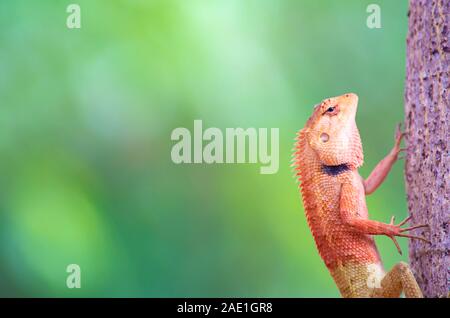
332	133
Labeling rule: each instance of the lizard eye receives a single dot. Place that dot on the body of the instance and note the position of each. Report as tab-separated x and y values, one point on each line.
332	110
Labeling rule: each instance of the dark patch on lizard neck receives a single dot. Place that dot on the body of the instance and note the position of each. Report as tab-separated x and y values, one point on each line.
335	170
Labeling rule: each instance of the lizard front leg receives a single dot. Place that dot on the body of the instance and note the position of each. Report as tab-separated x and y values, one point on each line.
349	214
399	279
382	169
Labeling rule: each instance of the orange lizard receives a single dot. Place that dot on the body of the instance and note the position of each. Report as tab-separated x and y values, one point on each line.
327	155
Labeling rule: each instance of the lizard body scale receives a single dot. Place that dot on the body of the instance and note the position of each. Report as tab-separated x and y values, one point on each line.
327	155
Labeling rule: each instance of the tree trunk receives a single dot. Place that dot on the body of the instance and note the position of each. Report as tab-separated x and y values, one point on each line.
427	125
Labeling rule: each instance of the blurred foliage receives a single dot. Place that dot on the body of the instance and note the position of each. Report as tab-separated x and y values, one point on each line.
85	123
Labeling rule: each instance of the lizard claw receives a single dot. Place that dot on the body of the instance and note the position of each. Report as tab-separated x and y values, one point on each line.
401	151
414	237
392	220
396	244
414	227
405	221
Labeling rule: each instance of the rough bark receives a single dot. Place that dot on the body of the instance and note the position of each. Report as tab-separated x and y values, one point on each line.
427	122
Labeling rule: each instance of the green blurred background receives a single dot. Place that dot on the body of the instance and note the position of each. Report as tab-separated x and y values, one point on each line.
85	121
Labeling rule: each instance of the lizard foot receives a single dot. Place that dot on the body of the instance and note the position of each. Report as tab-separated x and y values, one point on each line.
399	134
400	232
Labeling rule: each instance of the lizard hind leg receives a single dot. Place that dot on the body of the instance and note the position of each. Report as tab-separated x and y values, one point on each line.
399	279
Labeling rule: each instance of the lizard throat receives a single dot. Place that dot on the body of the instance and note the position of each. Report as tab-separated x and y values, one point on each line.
335	170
